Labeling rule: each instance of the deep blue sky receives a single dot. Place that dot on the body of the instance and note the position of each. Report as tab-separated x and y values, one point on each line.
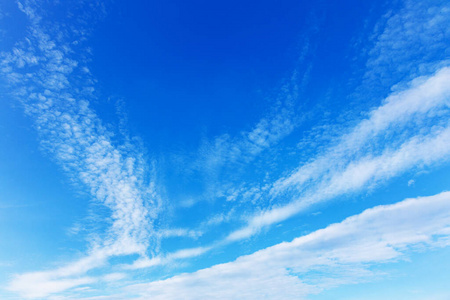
211	66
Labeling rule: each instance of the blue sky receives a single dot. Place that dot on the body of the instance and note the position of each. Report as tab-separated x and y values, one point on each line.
224	150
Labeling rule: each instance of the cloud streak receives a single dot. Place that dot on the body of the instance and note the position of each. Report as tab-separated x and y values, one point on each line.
348	167
341	253
42	73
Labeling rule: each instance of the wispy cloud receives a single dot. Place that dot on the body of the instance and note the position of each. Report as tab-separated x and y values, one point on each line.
410	56
161	260
409	43
268	131
408	130
349	166
220	161
425	98
341	253
42	284
41	72
178	232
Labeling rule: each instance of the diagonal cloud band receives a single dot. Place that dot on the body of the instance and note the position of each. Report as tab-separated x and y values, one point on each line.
41	72
339	172
341	253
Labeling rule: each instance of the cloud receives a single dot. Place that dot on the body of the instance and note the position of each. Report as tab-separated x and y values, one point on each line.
410	43
408	130
178	232
347	167
220	160
167	259
423	99
37	285
339	254
279	122
114	277
409	61
44	77
43	283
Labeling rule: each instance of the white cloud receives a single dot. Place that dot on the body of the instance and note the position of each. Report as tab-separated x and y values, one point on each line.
424	98
410	43
39	285
179	232
268	131
43	283
115	174
343	168
220	160
113	277
341	253
168	258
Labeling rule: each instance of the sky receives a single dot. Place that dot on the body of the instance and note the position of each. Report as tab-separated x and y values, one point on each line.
224	149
